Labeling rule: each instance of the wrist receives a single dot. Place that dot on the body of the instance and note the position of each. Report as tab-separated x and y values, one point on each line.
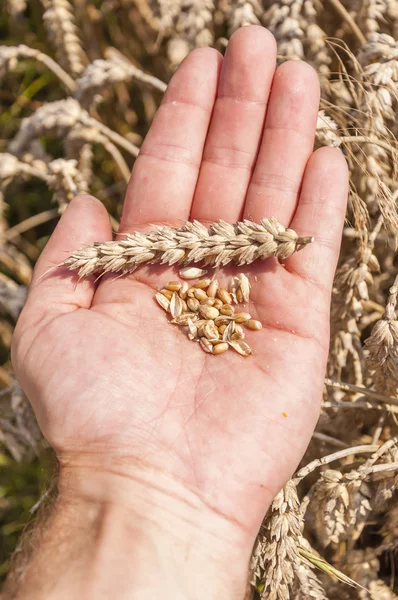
160	535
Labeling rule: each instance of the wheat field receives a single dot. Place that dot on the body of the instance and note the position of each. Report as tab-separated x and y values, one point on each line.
80	83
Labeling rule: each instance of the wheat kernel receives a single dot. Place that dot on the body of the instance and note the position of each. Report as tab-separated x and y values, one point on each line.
229	331
200	322
227	309
183	290
220	348
201	328
244	286
184	318
239	296
173	286
207	302
206	345
212	289
211	331
242	317
176	305
203	284
222	328
192	330
253	324
191	273
208	312
225	296
162	301
200	294
218	303
241	347
167	293
238	336
191	292
193	304
223	320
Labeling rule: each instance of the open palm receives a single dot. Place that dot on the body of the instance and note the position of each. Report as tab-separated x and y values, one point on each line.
109	377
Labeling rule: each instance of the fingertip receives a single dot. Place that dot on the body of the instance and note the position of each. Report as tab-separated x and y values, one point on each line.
86	204
299	83
320	213
84	222
253	37
327	158
329	165
300	70
196	77
85	216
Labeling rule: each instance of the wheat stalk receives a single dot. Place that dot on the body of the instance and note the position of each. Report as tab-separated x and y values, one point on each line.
218	245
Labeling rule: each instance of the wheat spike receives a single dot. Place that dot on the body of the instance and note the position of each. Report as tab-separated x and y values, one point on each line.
275	558
326	130
59	119
100	74
15	8
192	27
382	347
293	23
62	30
239	13
218	245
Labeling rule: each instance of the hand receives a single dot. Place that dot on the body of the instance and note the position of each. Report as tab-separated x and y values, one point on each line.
116	389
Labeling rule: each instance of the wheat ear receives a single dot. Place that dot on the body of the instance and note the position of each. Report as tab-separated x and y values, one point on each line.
218	245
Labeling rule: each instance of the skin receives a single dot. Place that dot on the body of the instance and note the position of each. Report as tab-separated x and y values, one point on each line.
140	418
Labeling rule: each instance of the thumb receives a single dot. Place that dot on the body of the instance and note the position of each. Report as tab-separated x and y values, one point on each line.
56	290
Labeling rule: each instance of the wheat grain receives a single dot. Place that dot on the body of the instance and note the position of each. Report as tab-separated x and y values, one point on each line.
227	309
240	346
191	273
253	324
220	348
204	319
